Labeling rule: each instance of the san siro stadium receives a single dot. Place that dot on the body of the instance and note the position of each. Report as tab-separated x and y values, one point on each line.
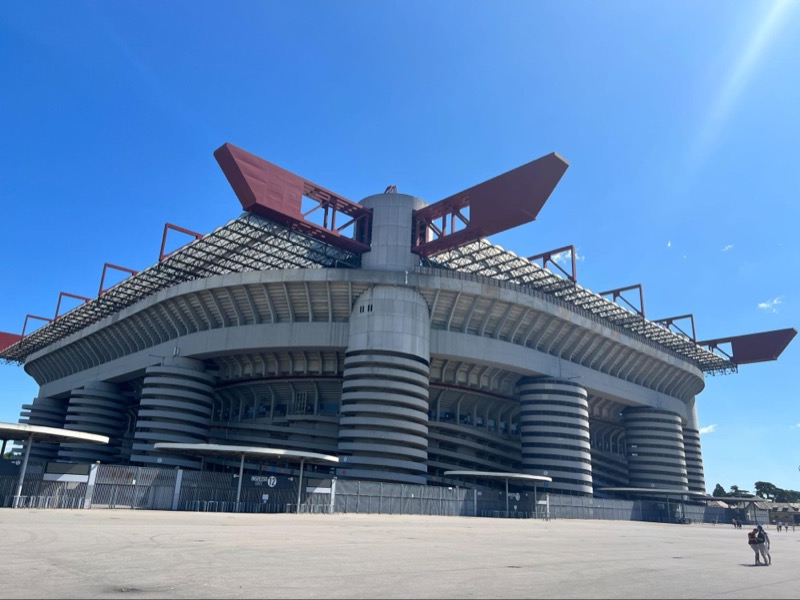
389	333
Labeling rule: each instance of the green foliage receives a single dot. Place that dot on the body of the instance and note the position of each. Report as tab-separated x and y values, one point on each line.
787	496
737	493
764	489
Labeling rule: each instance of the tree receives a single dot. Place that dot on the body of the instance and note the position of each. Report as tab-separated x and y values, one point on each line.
737	493
719	492
766	490
786	495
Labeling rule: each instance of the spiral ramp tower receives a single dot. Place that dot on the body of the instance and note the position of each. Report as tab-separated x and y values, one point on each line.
383	427
554	428
656	455
48	412
692	450
383	423
99	408
175	406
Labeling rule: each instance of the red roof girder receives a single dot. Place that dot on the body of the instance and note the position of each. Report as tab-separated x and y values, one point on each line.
505	201
754	347
67	294
272	192
617	295
8	339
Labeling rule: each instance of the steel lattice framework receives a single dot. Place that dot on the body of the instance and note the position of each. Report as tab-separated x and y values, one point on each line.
252	243
491	260
247	243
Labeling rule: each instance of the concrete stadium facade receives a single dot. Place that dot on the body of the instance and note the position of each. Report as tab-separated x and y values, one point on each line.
404	368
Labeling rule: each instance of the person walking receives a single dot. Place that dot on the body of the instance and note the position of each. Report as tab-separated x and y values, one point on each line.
763	545
752	539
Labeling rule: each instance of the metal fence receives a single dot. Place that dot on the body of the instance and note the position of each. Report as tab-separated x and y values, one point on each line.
217	492
151	488
117	486
38	492
401	499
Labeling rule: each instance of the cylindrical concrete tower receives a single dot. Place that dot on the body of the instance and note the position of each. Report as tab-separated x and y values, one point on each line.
383	425
95	408
654	444
175	407
47	412
554	433
694	457
390	247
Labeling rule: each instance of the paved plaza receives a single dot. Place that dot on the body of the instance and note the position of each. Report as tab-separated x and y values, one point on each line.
151	554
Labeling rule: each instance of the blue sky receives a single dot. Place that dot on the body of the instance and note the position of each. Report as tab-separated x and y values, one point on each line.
680	121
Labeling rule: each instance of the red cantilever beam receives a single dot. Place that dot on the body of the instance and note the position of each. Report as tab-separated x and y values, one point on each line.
755	347
550	257
29	316
169	226
107	266
669	323
617	295
8	339
272	192
508	200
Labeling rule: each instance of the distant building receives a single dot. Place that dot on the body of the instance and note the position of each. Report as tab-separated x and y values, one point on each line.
788	513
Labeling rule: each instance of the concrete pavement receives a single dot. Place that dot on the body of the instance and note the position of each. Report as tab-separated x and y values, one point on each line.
150	554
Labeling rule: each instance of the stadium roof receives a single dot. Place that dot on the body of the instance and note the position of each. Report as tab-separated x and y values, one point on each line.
490	260
274	233
251	243
247	243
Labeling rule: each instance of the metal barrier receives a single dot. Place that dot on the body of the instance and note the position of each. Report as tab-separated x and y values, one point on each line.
501	514
236	507
317	509
46	502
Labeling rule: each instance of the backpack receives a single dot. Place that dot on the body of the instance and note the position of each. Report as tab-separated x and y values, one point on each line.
751	537
760	537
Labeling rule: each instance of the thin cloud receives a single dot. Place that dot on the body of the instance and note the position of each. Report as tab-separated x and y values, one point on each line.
771	305
727	247
563	258
708	429
669	244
